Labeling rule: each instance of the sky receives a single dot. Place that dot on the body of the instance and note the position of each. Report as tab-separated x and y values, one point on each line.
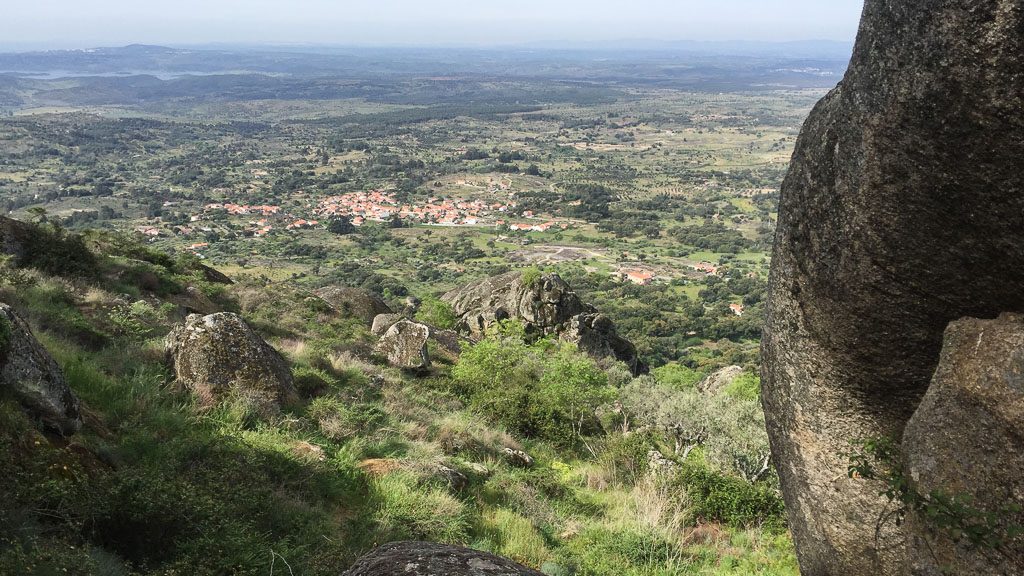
89	23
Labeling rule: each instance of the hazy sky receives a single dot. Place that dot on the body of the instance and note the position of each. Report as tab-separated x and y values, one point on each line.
84	23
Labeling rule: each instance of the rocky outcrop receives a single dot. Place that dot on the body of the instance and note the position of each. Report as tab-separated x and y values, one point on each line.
429	559
220	356
33	377
354	302
719	380
381	323
405	345
965	441
546	305
595	334
902	211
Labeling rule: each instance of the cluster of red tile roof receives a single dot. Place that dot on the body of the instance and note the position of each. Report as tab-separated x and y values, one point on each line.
640	277
707	268
241	209
380	206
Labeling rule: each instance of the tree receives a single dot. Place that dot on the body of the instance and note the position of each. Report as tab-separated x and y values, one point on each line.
341	225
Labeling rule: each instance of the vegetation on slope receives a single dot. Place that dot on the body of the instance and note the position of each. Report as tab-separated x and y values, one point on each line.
156	485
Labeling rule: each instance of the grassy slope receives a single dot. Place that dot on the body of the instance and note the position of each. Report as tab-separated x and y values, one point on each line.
155	486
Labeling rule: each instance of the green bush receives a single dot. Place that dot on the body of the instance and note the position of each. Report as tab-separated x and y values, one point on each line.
531	275
540	390
599	551
715	497
437	313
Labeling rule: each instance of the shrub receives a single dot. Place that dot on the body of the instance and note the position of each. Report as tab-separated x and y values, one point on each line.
715	497
600	550
746	386
531	275
437	313
677	376
539	390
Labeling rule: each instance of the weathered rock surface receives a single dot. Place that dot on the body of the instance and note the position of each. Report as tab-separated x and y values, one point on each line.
429	559
354	302
517	457
33	377
902	211
220	356
545	306
405	345
967	439
595	334
381	323
719	379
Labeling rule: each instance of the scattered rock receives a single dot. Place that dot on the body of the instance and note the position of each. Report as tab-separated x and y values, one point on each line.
308	451
220	356
354	302
478	469
718	380
657	463
965	440
455	480
430	559
447	343
545	306
15	237
901	212
381	323
405	345
33	376
517	457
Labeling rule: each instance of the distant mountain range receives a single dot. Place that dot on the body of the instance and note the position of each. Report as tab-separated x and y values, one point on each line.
522	60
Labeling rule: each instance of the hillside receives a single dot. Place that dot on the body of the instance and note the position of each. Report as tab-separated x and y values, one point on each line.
517	444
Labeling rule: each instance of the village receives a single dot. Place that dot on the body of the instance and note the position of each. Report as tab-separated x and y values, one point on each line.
359	208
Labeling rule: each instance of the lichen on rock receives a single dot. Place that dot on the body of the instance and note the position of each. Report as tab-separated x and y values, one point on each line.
220	356
33	377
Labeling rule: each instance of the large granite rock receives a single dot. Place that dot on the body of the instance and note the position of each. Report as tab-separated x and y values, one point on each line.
220	356
903	210
595	334
544	305
429	559
354	302
547	305
966	439
33	377
405	345
719	380
381	323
